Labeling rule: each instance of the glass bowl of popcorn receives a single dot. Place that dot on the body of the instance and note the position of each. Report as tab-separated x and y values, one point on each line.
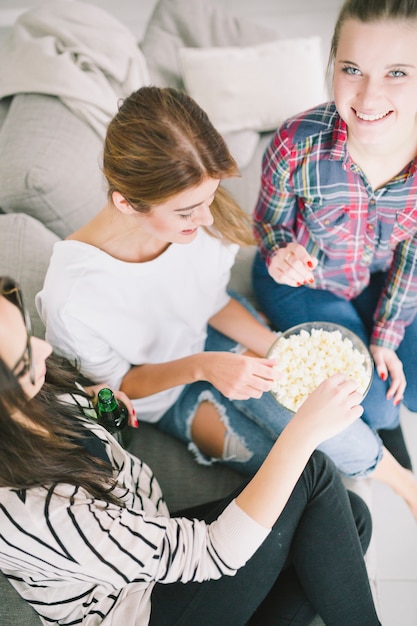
308	353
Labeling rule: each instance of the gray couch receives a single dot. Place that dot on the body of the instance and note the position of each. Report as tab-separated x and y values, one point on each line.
51	183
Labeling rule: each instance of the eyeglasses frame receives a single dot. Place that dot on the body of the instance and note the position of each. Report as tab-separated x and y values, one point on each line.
12	292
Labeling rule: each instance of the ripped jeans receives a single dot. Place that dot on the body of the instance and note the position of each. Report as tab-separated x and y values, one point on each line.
253	425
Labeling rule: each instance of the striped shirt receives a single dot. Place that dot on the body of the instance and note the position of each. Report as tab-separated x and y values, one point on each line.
313	193
78	560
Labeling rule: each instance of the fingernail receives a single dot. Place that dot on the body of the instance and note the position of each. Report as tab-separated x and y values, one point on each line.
311	280
135	423
397	402
309	264
298	284
133	412
383	376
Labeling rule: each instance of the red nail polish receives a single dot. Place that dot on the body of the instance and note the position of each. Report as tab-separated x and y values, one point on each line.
311	280
298	284
397	402
309	264
383	376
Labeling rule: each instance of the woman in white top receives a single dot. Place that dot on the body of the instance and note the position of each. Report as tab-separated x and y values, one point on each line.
87	538
138	297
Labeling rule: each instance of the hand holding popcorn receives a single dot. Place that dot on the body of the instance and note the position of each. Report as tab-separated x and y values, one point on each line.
330	408
306	358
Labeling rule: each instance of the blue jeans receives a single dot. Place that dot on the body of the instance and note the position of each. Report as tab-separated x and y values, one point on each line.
255	424
287	306
311	562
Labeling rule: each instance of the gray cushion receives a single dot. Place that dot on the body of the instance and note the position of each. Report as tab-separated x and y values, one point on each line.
25	250
196	24
14	611
50	164
4	109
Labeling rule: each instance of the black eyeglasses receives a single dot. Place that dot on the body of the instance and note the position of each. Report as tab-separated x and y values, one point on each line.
11	291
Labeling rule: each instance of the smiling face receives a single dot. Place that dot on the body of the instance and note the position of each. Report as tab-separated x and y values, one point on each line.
375	82
13	349
178	219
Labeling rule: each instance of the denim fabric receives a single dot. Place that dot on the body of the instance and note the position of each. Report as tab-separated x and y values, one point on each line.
287	306
310	563
256	423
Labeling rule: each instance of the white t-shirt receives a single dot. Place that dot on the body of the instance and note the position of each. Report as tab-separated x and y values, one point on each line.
109	314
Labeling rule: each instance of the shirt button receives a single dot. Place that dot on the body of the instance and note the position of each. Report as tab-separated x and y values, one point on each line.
367	256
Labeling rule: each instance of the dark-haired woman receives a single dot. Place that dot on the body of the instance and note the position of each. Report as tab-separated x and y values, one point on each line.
87	538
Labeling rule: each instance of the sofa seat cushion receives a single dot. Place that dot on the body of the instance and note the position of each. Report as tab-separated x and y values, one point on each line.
14	611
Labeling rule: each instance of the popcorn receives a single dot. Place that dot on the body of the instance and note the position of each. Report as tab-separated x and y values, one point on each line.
307	358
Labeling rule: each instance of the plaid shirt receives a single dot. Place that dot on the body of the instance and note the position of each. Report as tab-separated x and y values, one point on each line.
313	193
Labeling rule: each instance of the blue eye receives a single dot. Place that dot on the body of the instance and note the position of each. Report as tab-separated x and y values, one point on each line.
352	71
397	74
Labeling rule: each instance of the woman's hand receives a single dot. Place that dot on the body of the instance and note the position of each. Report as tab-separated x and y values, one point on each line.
292	266
237	376
330	408
387	364
120	395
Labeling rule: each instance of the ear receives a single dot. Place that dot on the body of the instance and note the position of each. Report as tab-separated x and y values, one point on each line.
122	204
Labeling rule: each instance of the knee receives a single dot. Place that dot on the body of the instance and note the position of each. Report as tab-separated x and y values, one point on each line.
213	437
363	519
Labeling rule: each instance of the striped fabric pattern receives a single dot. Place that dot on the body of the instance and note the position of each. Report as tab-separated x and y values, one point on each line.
78	560
313	193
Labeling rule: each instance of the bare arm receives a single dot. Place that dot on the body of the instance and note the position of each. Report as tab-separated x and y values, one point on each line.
237	376
333	406
238	323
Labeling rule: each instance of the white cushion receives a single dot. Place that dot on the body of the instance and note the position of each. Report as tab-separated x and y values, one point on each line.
255	87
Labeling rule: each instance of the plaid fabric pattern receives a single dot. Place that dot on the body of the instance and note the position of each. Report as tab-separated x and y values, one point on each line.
313	193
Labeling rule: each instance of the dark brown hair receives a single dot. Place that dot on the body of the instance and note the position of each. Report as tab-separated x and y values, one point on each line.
51	451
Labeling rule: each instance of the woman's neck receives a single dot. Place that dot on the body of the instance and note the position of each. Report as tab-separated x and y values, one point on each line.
381	164
119	236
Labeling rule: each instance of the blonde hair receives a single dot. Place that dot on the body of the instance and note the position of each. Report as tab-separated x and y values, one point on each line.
161	143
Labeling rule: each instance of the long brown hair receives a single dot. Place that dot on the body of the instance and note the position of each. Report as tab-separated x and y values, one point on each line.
161	143
51	452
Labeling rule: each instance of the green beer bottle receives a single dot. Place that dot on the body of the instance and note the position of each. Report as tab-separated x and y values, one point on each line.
111	413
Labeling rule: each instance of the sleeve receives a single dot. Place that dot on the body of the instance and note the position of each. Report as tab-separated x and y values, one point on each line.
398	303
78	339
96	357
275	210
114	545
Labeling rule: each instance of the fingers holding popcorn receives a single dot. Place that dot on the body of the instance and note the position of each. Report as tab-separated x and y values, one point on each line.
293	266
331	407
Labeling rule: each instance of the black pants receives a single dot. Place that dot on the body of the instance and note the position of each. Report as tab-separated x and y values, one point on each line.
311	562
